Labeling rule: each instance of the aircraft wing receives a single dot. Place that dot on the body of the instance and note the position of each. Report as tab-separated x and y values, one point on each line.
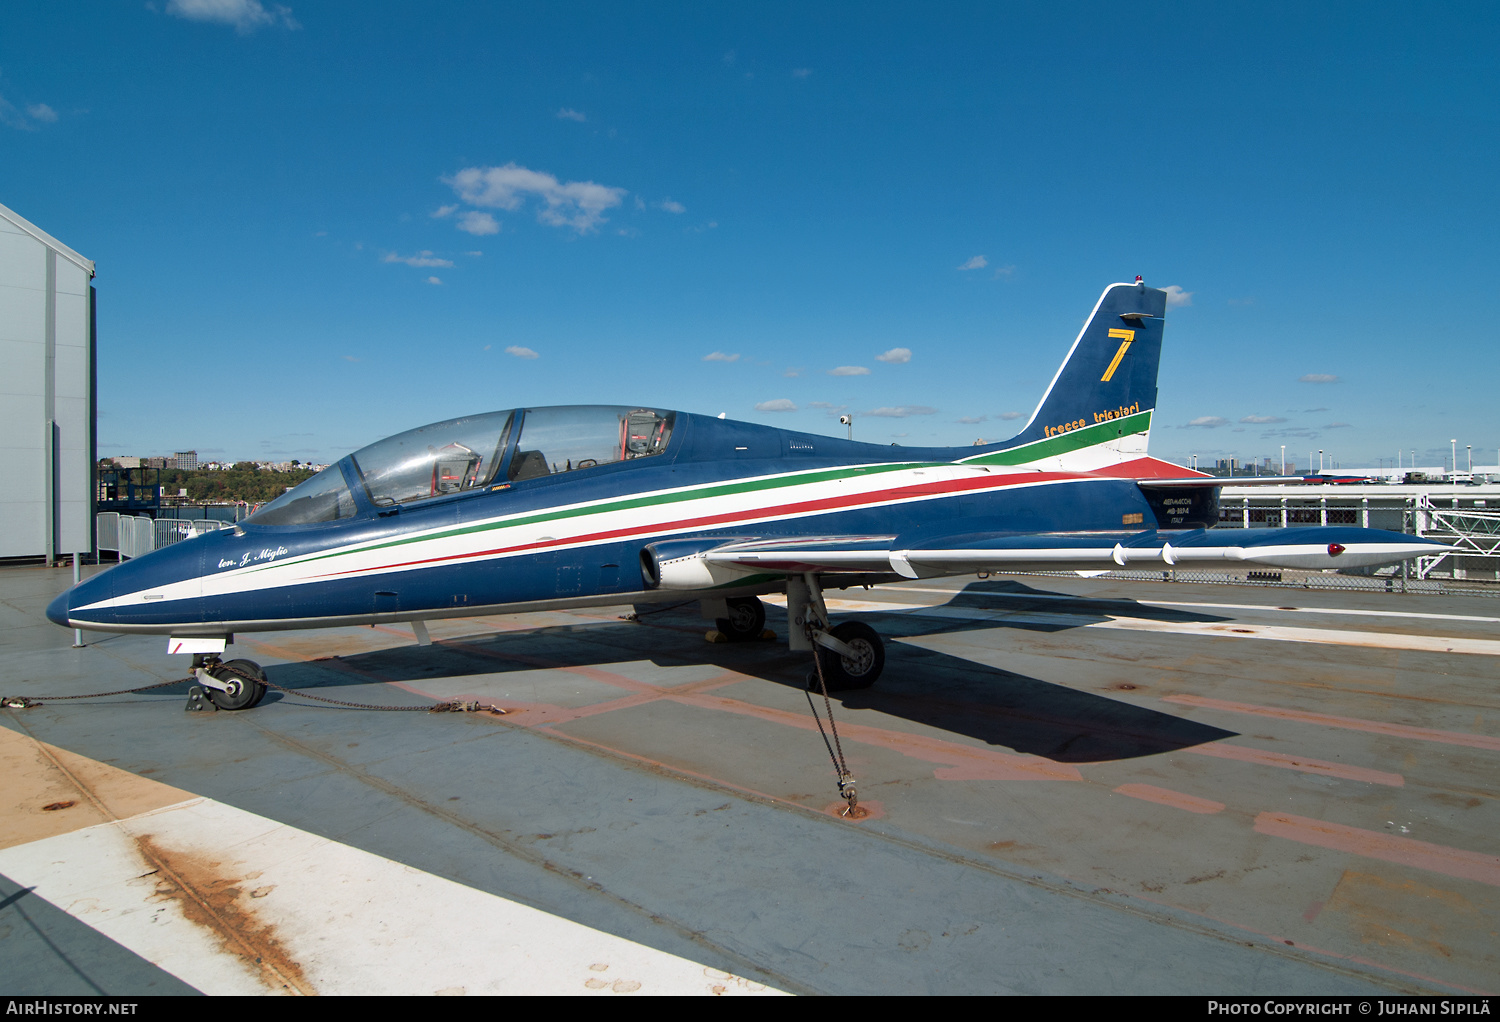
1192	481
924	555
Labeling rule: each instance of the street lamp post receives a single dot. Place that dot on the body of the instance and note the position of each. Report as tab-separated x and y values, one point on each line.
1283	459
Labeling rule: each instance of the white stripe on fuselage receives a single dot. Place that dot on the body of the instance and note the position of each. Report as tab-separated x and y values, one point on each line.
566	529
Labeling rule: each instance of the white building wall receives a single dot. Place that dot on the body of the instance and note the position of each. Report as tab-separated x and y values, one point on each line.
46	372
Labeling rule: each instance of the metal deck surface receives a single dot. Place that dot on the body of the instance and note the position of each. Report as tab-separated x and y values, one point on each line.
1076	786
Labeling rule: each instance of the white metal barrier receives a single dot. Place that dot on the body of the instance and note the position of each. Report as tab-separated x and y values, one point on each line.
167	531
131	537
1475	533
137	536
107	530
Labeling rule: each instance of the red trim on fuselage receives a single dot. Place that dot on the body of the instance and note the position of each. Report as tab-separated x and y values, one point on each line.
826	504
1148	468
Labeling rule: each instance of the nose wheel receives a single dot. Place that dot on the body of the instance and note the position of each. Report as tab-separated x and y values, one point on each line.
235	685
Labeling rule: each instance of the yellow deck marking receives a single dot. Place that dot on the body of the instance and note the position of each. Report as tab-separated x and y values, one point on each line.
38	775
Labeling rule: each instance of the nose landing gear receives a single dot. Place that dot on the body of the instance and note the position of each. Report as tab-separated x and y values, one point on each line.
236	685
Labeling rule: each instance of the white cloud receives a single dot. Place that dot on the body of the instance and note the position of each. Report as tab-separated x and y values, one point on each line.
671	207
1208	422
434	280
1318	378
245	15
476	254
420	259
520	352
1002	272
1177	296
444	211
569	114
849	371
477	223
1010	415
792	372
899	413
801	72
1339	425
719	356
826	406
779	404
979	262
895	355
576	204
1257	420
969	420
14	118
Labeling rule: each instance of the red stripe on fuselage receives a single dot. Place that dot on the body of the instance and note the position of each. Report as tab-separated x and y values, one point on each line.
826	504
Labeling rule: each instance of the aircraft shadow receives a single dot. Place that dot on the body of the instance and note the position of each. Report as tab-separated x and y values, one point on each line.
929	687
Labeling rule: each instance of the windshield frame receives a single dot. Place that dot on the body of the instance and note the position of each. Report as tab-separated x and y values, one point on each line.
380	471
362	505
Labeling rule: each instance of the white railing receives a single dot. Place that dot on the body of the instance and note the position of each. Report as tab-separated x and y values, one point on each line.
132	537
1472	532
107	530
137	536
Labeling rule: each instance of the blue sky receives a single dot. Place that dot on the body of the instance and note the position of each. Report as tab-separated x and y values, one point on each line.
317	224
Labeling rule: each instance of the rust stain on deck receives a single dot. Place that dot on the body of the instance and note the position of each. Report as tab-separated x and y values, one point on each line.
215	900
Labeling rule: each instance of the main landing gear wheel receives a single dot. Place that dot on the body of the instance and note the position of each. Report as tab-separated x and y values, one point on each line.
746	620
843	673
246	681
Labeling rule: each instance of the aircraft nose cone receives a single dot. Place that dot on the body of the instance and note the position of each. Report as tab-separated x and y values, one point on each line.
57	610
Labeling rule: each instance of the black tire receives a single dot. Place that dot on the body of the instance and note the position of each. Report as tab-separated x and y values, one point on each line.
746	620
845	675
246	681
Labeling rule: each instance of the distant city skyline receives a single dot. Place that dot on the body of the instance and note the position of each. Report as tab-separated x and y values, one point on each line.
318	225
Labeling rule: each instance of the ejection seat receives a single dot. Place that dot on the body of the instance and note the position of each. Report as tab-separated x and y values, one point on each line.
528	465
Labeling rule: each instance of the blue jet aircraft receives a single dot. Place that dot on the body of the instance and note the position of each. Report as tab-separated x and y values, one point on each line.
542	508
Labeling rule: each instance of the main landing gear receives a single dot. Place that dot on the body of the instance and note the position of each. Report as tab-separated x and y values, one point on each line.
746	620
850	656
235	685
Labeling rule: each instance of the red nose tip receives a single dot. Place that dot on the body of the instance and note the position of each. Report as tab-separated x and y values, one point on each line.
1334	549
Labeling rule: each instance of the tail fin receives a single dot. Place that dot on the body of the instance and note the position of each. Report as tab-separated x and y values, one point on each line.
1097	410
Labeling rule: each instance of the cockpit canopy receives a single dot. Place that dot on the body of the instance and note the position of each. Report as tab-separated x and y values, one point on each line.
473	453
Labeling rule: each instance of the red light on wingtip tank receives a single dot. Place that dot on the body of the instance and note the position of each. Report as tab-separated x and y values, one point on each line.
1334	549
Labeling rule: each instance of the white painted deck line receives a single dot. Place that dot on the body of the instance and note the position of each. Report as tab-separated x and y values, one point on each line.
348	921
1214	629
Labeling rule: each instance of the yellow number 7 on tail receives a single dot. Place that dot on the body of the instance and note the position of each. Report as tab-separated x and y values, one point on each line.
1128	335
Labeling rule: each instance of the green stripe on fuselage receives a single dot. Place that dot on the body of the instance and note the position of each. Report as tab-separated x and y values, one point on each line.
1067	443
712	490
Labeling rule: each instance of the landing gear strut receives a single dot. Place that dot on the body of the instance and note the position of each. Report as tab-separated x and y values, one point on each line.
851	655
